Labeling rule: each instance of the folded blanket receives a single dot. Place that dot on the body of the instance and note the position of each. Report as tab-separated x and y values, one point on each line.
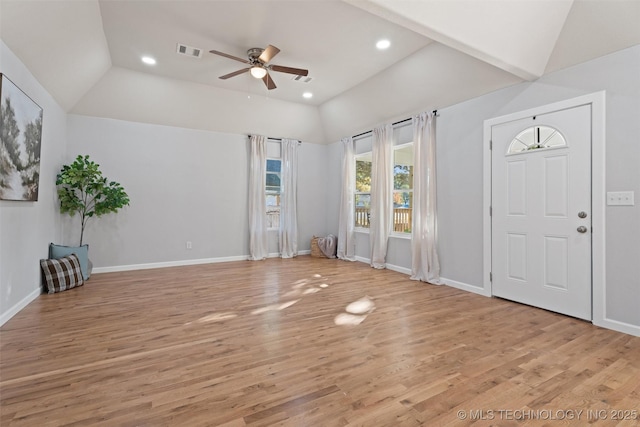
328	245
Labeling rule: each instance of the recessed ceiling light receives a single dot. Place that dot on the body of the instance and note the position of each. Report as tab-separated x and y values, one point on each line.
148	60
307	95
383	44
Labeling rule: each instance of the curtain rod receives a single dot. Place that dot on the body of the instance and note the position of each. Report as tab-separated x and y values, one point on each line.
435	112
275	139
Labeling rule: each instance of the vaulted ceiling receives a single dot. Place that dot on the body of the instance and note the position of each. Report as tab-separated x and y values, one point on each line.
70	46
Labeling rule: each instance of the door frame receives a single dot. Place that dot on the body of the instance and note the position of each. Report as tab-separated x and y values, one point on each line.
598	197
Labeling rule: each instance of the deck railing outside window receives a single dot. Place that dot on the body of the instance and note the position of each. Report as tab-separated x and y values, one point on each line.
362	217
273	216
401	219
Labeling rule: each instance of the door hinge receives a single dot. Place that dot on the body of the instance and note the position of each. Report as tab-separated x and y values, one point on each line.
490	210
490	276
490	144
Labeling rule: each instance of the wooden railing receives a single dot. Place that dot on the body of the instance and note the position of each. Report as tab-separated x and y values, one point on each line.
362	217
401	219
273	217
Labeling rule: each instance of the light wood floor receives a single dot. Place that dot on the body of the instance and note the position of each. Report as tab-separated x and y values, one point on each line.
256	343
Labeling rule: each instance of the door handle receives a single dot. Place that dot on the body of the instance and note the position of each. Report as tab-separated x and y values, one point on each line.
582	229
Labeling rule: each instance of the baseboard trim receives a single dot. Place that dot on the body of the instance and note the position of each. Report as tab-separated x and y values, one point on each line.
277	254
618	326
361	259
403	270
182	263
19	306
443	281
465	287
391	267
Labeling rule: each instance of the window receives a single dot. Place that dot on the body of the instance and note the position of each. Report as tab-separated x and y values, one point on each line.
536	137
273	192
363	189
402	188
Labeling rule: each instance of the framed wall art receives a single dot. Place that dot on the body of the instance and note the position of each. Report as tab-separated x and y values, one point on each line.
20	142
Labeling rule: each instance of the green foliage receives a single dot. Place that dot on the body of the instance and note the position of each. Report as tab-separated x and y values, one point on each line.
83	190
363	176
402	177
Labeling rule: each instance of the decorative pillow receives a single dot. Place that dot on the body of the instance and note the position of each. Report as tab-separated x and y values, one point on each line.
61	274
58	251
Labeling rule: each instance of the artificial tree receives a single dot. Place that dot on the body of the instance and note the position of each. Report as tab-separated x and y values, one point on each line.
83	190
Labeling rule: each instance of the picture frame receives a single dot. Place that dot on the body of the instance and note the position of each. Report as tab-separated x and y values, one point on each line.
20	143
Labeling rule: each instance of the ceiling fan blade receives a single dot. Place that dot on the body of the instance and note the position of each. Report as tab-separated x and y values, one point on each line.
235	73
226	55
290	70
268	54
268	81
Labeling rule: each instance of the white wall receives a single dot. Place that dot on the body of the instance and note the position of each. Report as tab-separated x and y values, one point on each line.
312	193
460	174
460	171
139	97
184	185
26	228
422	81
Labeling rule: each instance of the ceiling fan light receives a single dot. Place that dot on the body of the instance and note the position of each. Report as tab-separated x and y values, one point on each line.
258	72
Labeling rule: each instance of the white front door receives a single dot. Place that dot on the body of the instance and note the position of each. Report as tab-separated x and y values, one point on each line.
541	211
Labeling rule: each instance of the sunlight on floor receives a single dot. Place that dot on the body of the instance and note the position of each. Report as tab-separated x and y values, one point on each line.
215	317
355	312
343	319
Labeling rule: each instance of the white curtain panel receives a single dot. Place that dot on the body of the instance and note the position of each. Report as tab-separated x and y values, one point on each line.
424	255
381	191
288	233
258	248
346	226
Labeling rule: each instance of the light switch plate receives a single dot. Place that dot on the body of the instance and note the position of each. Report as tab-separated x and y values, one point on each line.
620	198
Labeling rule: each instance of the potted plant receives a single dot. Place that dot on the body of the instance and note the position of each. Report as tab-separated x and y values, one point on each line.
83	190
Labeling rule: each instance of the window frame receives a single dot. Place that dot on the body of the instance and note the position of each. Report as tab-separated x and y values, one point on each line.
536	145
369	154
268	193
401	234
366	154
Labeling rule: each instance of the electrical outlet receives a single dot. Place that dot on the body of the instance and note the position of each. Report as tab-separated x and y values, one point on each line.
620	198
189	246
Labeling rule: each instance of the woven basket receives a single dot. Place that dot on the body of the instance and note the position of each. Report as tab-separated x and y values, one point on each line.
315	249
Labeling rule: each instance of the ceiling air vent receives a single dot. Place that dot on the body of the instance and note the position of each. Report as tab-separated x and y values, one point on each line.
193	52
303	79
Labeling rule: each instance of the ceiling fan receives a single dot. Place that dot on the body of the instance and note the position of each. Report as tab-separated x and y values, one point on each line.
259	67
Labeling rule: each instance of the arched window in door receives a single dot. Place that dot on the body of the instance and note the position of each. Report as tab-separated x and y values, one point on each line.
536	137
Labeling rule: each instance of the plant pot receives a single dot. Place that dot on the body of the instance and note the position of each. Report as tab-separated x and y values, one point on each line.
82	252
